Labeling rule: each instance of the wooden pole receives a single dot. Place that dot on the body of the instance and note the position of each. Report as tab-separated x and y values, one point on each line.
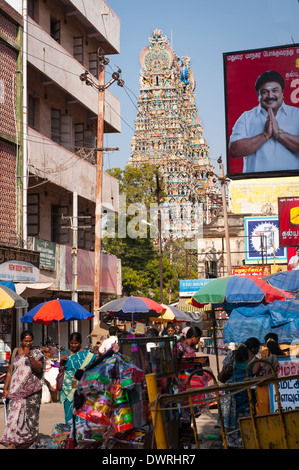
226	229
152	389
99	184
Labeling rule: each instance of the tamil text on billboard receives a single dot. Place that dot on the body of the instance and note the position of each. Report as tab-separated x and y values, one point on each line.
262	112
288	213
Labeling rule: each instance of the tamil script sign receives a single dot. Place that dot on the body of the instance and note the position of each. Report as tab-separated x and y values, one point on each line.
253	270
288	213
288	389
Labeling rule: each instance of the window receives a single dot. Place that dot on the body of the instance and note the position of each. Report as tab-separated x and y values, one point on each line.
31	112
60	225
31	9
33	214
78	48
55	30
55	125
79	135
61	128
86	234
93	64
210	269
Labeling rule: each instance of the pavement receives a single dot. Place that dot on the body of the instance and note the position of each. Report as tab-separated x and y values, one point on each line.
209	434
52	413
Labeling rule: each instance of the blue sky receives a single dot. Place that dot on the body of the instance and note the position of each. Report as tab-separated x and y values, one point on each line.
202	30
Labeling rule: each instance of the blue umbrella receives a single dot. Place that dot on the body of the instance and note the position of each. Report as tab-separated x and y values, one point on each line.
286	280
278	317
56	311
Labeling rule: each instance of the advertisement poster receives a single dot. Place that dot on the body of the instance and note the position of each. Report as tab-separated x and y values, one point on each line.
288	389
288	214
258	270
255	81
262	241
189	287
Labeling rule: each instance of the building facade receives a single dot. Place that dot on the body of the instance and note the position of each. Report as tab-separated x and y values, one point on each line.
56	201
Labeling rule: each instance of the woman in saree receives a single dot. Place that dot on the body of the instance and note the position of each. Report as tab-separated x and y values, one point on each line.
236	406
74	359
23	389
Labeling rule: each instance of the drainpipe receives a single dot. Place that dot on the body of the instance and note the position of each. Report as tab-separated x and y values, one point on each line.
25	122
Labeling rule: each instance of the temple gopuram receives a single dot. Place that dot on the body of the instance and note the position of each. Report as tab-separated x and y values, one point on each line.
169	135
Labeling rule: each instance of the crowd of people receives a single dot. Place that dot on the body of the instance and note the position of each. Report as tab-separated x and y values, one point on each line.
24	379
235	365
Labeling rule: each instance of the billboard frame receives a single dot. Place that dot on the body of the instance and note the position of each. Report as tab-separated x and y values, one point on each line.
251	175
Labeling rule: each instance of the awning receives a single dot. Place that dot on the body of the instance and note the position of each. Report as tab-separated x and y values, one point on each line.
33	289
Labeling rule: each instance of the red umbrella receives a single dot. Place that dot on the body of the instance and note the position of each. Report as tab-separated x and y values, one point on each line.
133	308
236	291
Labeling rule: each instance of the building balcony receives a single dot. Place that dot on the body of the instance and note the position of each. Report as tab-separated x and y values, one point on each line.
59	67
63	168
105	26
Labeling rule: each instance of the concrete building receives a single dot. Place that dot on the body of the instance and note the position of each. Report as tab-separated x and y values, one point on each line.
58	161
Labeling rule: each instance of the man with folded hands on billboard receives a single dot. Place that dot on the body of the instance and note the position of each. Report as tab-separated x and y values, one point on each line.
294	261
267	135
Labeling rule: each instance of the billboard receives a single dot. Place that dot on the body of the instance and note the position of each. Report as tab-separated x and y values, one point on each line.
262	112
262	241
288	213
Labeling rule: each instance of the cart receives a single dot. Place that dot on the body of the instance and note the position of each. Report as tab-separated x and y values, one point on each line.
270	431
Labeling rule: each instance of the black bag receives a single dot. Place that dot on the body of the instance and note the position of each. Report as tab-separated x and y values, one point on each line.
227	370
59	378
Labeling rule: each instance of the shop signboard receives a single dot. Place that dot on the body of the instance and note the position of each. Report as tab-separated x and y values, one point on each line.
246	85
189	287
288	389
47	252
19	265
262	241
257	270
288	214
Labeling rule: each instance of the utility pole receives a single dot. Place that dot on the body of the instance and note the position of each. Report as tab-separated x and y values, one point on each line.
101	87
226	229
75	255
222	179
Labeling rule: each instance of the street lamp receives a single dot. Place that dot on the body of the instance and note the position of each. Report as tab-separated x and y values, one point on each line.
160	251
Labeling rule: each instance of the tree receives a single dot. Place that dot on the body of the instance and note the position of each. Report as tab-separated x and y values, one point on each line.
140	255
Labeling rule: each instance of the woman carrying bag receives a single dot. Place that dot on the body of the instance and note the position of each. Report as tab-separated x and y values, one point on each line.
23	389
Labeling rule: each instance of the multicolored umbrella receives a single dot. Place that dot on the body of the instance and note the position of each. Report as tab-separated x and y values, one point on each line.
174	315
56	311
236	291
133	308
287	280
9	298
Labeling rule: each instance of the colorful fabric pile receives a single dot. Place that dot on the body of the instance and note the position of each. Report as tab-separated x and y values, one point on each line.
102	400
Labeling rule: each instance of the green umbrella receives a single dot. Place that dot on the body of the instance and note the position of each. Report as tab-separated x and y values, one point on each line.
236	291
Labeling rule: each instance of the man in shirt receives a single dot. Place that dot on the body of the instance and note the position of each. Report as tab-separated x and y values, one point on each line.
294	261
267	135
112	339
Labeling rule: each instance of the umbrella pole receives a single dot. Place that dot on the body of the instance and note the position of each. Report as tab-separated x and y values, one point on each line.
214	338
58	341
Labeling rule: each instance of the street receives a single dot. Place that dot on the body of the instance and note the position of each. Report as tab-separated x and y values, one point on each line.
52	413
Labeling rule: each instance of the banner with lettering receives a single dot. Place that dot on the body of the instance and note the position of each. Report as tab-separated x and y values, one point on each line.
243	95
288	215
288	389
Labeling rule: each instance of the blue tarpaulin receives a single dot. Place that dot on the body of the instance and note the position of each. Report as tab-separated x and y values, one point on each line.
287	280
9	284
280	317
